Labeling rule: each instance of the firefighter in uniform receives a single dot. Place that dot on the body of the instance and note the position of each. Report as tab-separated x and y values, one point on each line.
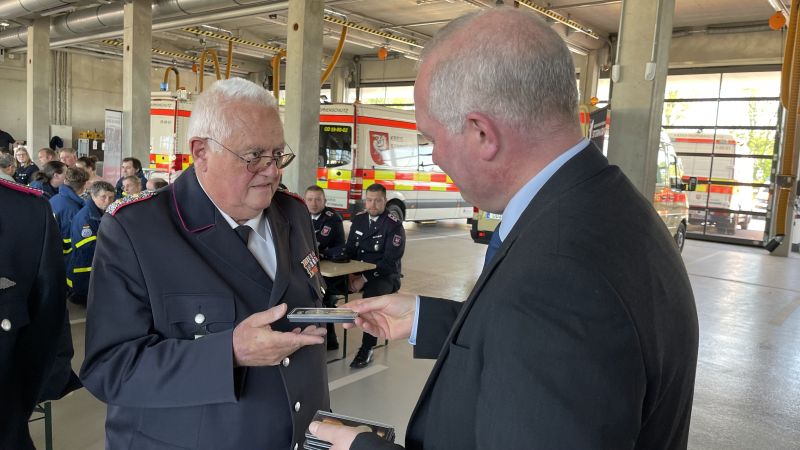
329	231
32	308
83	236
186	336
376	236
65	205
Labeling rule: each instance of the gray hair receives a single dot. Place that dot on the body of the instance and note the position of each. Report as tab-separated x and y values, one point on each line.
521	73
7	160
209	118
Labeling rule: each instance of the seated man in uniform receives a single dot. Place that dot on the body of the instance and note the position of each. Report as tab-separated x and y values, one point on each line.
131	185
186	339
329	232
376	236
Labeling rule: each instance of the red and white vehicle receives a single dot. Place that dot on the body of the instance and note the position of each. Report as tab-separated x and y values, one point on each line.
360	145
710	163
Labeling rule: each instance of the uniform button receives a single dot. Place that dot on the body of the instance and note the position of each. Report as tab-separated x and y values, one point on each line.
285	362
297	407
5	325
295	446
199	318
323	290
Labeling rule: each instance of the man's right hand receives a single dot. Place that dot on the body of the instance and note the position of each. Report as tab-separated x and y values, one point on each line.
256	344
386	317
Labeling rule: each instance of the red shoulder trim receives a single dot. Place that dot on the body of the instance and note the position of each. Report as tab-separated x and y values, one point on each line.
21	188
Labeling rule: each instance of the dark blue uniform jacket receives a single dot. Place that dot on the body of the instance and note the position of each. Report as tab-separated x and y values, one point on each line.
383	245
329	231
169	268
65	205
83	234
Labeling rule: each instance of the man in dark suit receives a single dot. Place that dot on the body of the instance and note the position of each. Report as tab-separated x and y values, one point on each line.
32	307
581	331
329	232
376	236
186	338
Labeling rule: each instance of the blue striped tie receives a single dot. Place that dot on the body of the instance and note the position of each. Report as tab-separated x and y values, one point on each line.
494	245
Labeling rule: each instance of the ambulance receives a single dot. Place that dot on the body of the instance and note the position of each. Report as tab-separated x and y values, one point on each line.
710	163
169	123
360	145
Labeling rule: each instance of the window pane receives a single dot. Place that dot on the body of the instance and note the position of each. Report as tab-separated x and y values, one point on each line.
748	113
692	114
751	84
692	86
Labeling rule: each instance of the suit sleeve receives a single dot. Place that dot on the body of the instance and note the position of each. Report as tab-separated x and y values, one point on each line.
47	309
127	363
337	242
352	250
395	245
436	318
561	362
80	265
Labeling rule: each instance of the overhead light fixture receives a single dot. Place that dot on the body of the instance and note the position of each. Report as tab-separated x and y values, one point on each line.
4	23
559	18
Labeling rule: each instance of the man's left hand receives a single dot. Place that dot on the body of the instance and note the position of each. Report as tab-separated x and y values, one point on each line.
356	282
340	436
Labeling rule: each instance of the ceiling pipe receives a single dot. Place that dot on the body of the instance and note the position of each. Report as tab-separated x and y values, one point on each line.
94	23
14	9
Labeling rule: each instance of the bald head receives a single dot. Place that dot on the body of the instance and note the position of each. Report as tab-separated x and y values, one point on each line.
502	62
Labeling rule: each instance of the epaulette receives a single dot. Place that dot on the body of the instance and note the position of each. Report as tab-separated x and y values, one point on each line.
13	185
114	208
292	195
329	213
393	216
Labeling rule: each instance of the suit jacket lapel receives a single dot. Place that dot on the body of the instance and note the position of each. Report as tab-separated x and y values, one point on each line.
582	166
200	218
281	229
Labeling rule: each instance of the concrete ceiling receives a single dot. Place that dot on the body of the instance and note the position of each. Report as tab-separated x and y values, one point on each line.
418	20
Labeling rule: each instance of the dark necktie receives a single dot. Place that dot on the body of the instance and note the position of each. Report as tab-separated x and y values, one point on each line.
494	245
372	223
244	233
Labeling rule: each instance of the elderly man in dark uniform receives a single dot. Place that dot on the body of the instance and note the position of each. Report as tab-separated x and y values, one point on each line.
329	231
186	338
32	307
376	236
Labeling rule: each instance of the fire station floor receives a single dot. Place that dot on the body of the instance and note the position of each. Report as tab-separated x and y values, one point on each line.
747	394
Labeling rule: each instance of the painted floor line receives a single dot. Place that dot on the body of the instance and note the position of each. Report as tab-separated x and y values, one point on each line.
352	378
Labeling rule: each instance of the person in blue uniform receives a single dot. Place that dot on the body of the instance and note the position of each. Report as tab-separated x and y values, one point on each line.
329	232
186	336
376	236
25	167
32	308
50	178
83	237
65	205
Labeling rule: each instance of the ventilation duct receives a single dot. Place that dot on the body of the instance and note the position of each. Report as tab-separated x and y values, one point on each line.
14	9
108	19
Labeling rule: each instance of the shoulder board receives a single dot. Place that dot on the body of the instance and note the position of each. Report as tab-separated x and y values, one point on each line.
329	213
292	195
114	208
21	188
393	217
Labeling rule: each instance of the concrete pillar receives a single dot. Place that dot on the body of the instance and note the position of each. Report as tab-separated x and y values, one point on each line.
303	71
639	77
339	85
590	74
137	48
38	85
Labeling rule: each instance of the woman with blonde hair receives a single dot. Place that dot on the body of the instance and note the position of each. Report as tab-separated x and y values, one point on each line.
25	167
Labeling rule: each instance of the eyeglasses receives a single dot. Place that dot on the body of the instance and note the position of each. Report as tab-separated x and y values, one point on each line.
256	161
